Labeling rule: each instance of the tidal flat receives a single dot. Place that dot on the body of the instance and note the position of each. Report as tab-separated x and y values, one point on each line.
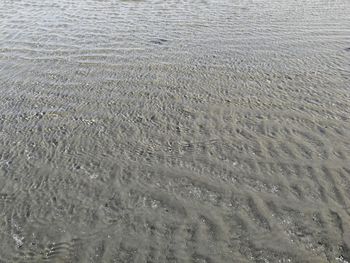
204	131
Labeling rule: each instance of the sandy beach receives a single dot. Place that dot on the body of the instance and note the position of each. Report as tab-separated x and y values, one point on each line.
202	131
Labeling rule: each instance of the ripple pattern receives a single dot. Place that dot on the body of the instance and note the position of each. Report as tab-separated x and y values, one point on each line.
174	131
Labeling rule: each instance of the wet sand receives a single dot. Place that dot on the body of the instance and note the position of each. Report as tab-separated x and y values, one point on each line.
174	131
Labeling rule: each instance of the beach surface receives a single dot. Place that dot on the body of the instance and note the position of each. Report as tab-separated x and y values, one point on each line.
201	131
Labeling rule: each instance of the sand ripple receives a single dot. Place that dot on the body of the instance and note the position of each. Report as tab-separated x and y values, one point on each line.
174	131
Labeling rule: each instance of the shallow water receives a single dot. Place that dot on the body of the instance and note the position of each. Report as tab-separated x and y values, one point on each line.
174	131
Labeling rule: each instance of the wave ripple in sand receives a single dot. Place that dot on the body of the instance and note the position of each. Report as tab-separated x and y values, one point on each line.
174	131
